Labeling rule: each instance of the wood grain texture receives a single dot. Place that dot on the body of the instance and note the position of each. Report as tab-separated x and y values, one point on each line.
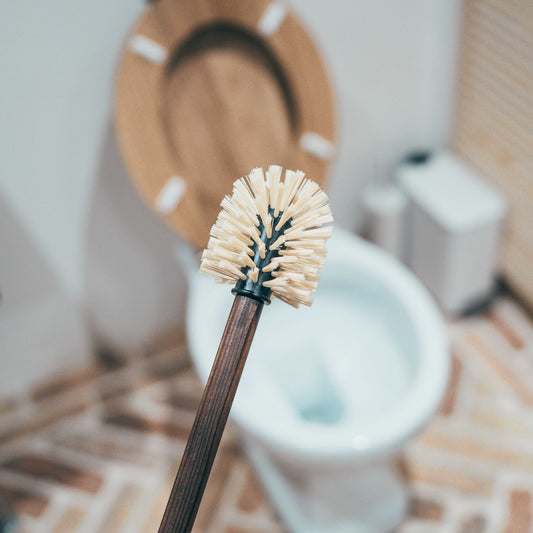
494	123
222	103
211	416
226	89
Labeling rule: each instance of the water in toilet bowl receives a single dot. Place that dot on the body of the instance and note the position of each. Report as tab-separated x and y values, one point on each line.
308	388
340	361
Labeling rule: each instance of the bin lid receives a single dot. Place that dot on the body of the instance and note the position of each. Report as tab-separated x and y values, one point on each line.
452	192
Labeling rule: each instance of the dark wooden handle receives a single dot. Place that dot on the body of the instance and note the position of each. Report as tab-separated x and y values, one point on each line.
211	417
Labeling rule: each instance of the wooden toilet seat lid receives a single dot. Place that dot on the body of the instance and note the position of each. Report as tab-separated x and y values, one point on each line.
193	113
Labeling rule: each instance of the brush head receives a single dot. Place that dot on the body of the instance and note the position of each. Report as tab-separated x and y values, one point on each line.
269	239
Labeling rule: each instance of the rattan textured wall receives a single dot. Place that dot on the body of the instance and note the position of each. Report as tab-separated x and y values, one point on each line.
494	121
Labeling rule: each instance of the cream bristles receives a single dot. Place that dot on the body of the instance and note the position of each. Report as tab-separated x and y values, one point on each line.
271	233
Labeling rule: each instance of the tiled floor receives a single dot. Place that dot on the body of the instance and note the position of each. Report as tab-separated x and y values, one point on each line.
96	451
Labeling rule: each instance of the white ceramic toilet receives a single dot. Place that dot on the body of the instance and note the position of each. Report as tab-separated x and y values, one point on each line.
329	394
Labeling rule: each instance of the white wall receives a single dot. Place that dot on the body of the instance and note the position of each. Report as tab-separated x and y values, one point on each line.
393	65
65	188
56	65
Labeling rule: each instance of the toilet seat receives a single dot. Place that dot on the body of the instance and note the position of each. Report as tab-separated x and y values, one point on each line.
147	93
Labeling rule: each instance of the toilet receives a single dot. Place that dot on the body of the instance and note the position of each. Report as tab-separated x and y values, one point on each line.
331	393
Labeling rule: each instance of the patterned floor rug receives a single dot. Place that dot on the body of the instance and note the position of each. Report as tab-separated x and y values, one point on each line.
96	451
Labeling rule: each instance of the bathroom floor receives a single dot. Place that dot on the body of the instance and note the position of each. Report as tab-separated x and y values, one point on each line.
96	451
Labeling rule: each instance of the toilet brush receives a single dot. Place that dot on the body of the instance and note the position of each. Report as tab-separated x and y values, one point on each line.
269	239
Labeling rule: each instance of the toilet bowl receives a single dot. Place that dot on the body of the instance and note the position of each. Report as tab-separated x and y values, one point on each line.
330	394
